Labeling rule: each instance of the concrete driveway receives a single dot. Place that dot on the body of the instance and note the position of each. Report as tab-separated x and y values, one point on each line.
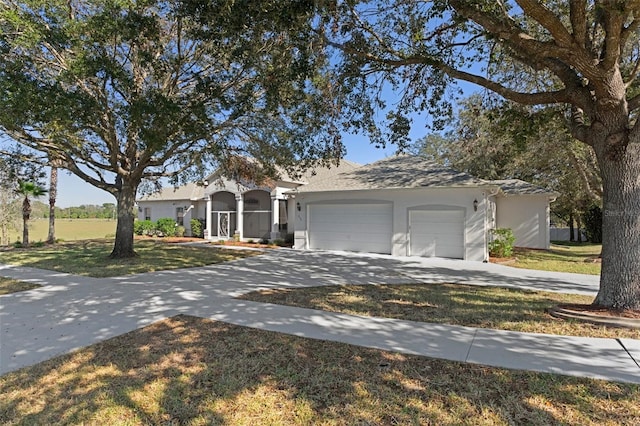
71	312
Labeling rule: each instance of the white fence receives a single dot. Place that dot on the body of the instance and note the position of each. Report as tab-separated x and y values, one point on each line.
562	234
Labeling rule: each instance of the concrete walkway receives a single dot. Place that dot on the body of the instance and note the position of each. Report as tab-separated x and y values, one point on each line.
70	312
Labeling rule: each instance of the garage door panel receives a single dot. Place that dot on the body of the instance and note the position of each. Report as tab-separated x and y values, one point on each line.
438	233
351	227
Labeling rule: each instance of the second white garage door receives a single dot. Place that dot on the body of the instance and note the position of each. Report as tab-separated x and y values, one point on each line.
437	233
351	227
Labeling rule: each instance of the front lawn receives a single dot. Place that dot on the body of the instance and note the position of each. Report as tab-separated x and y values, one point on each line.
192	371
561	257
91	257
467	305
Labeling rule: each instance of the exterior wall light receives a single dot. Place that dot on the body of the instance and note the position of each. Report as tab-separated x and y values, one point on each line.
475	205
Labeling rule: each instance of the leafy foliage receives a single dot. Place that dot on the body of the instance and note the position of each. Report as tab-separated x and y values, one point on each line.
166	227
501	244
197	228
144	227
503	140
593	224
125	92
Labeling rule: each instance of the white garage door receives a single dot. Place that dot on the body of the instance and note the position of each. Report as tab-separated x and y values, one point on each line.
438	233
351	227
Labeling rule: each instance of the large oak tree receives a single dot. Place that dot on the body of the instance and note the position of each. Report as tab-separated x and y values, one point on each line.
582	54
129	91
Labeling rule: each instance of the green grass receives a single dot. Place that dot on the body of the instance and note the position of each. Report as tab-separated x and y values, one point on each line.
67	229
8	285
562	257
91	257
192	371
473	306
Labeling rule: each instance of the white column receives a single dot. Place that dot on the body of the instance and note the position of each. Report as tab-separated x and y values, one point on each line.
209	228
275	218
239	216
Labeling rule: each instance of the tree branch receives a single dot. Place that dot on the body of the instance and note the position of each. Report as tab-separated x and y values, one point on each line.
578	17
527	46
586	184
579	130
613	24
548	20
559	96
633	103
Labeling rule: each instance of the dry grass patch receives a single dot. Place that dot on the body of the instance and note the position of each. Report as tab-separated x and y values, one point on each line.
192	371
9	285
456	304
561	257
91	257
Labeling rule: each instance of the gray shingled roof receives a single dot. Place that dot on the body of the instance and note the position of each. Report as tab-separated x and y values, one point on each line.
321	173
190	191
399	171
520	187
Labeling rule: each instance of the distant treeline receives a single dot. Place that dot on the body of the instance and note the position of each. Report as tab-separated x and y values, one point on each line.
40	210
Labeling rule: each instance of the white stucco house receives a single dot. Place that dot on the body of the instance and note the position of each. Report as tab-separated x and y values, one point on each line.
402	205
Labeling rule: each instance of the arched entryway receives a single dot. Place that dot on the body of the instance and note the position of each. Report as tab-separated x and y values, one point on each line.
223	214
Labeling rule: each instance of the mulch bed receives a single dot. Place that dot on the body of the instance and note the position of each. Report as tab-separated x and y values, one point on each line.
602	311
503	260
244	244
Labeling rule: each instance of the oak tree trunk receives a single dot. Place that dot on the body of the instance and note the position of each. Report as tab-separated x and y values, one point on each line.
123	246
53	190
620	276
26	215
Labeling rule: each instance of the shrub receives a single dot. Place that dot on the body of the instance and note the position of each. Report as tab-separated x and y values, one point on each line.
197	228
180	230
289	239
501	244
166	227
286	242
38	244
17	244
592	219
143	227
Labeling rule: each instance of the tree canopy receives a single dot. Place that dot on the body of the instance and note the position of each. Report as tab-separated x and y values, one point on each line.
125	91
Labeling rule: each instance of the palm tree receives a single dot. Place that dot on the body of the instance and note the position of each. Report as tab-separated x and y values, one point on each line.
53	191
28	189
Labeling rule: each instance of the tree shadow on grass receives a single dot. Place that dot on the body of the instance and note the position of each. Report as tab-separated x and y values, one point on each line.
187	370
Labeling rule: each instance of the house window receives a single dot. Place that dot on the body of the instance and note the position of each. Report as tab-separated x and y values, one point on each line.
147	213
180	216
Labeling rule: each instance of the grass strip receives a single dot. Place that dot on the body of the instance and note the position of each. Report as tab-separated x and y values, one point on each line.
455	304
565	257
